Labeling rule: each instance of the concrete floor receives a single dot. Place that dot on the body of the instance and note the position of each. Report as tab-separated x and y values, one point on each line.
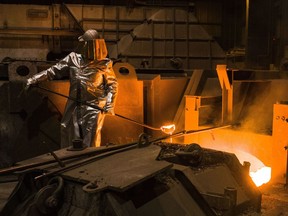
274	199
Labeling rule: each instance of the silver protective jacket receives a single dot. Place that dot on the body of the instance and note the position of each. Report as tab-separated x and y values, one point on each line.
94	83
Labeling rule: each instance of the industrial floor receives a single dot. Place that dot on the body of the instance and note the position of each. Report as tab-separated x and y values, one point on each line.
274	199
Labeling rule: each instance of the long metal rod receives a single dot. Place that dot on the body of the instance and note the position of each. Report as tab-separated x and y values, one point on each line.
85	161
190	132
105	154
185	132
97	157
19	168
39	31
97	107
102	151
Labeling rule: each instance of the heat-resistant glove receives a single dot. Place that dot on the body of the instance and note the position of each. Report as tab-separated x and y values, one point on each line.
108	109
29	83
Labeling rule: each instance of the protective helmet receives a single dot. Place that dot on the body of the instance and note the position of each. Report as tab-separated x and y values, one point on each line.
94	47
89	35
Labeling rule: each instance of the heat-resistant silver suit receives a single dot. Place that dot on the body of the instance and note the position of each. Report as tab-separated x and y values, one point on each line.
92	82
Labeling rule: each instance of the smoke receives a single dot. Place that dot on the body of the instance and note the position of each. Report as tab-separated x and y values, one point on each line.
256	114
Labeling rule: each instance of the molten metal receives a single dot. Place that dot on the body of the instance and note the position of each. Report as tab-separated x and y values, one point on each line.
168	129
259	173
261	176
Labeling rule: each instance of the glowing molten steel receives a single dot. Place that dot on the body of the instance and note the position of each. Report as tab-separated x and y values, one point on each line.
261	176
168	129
259	173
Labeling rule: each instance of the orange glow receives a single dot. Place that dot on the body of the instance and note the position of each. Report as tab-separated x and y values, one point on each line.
261	176
168	129
259	173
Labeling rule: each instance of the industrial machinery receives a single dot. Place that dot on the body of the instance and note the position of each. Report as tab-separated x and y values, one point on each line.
144	178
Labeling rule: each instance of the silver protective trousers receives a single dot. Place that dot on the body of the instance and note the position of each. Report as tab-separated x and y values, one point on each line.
93	84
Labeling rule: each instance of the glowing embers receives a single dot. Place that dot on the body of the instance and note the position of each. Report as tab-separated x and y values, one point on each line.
168	129
261	176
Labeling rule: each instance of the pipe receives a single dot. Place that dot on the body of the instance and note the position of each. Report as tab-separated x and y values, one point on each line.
87	153
85	161
96	157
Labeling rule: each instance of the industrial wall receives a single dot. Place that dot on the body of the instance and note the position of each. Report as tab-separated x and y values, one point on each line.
146	37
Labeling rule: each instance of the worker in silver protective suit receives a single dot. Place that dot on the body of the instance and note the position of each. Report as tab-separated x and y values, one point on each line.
92	80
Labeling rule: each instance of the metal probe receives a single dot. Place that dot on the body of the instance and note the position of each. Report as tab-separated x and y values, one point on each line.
97	107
